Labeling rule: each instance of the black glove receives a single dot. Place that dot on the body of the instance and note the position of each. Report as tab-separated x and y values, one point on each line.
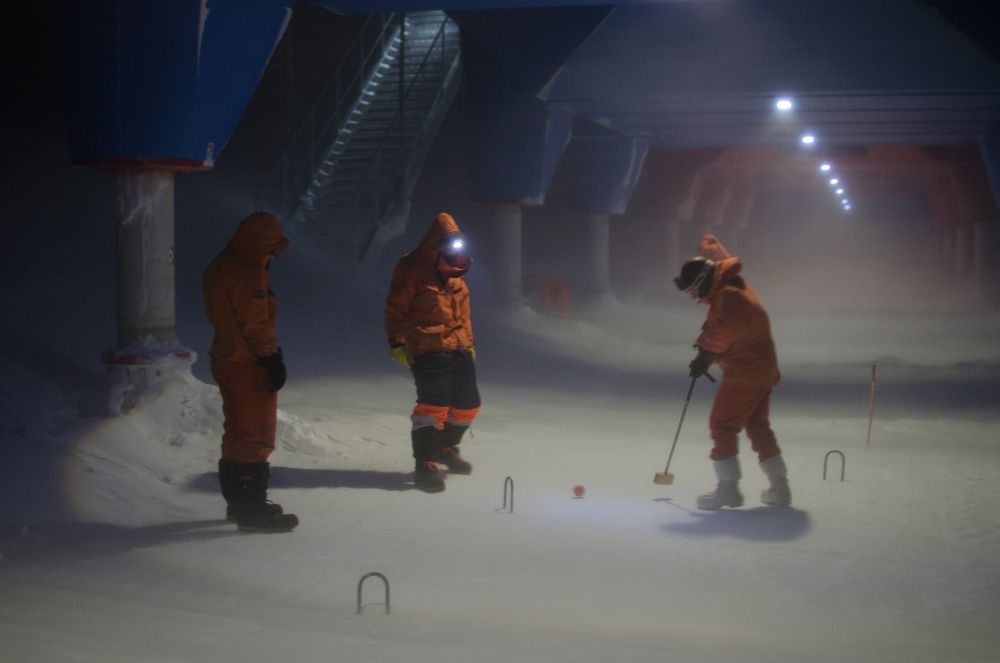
275	366
699	365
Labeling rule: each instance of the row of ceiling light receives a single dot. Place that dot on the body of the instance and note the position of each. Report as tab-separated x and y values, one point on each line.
786	105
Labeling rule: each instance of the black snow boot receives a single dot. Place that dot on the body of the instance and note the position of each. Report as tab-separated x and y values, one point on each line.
247	498
448	454
427	475
232	490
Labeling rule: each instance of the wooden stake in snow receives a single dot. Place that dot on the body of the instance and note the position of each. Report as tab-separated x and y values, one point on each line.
871	409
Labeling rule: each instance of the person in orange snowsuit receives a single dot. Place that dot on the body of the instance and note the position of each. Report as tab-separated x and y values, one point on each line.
736	335
428	325
248	366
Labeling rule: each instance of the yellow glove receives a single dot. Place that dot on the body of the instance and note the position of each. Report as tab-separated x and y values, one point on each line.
400	355
472	352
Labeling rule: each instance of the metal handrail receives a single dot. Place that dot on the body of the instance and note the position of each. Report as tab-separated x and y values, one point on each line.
357	63
396	125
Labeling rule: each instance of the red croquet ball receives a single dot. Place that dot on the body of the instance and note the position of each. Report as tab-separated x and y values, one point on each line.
579	490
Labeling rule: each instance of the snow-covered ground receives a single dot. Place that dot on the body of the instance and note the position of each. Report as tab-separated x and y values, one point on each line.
114	547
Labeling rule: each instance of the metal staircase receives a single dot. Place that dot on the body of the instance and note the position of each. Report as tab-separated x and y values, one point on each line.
347	176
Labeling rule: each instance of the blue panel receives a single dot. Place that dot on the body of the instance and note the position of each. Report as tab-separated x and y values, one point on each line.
384	6
529	45
515	140
706	73
163	82
769	46
605	170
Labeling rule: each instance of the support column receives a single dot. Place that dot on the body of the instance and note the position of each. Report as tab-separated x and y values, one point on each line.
983	275
144	205
505	221
989	150
963	249
674	256
146	333
980	248
734	240
948	248
598	279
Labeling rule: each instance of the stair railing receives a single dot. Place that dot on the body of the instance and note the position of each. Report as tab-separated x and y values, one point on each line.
328	114
392	192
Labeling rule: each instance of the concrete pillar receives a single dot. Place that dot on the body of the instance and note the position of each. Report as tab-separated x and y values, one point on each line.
980	248
147	347
675	256
734	240
948	248
505	221
963	249
144	205
598	267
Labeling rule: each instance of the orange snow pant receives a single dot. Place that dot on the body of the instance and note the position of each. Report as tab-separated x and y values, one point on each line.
736	408
249	408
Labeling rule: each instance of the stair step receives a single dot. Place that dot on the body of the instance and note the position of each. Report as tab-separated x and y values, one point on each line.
361	183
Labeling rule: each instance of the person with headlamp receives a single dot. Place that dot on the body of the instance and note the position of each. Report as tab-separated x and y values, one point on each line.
429	329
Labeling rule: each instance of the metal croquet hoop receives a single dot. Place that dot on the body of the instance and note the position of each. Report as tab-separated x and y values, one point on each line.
843	462
385	581
508	482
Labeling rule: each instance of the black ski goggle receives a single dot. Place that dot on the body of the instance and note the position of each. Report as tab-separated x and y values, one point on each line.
694	290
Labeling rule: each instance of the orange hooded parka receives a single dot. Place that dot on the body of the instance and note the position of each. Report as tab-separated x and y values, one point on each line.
236	288
427	310
710	247
737	330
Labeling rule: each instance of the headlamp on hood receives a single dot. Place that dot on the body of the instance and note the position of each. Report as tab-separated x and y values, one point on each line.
453	251
453	244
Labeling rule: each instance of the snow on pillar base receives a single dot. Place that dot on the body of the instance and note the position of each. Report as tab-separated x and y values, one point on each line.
136	368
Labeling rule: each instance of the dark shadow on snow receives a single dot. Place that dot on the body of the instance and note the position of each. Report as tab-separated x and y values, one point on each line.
66	542
754	524
294	477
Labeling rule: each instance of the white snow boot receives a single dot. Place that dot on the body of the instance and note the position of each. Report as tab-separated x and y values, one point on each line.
779	494
727	493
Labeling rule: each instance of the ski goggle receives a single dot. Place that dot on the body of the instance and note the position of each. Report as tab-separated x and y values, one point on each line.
694	289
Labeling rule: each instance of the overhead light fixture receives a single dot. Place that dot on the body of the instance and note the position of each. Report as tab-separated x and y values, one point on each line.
808	139
825	167
784	104
834	181
840	191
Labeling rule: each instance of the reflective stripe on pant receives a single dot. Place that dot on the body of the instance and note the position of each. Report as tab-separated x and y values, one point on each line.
249	408
446	389
736	408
